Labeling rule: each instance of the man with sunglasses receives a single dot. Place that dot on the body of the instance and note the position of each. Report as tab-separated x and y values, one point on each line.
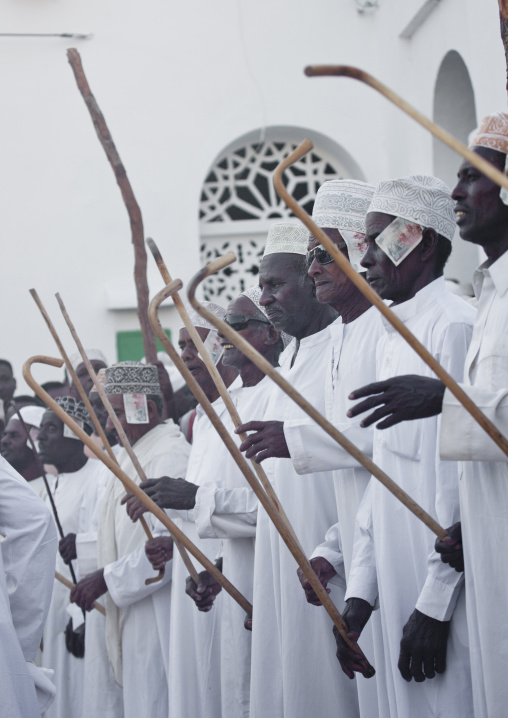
285	627
420	599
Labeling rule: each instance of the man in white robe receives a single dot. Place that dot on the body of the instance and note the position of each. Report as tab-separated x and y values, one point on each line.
291	640
137	615
60	447
419	598
482	217
27	564
194	639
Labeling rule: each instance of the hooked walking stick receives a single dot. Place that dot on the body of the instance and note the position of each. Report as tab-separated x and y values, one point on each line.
283	527
89	408
121	435
128	483
376	300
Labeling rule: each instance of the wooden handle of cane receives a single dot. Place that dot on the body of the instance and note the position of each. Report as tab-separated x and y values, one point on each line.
244	467
356	74
266	367
128	483
123	439
376	300
98	606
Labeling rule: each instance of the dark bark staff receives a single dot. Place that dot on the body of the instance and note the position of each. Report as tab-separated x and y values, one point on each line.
133	210
128	483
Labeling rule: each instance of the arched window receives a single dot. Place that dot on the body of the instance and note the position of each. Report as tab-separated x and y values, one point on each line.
238	201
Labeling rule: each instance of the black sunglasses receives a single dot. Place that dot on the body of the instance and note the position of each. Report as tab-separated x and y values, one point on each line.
240	321
321	255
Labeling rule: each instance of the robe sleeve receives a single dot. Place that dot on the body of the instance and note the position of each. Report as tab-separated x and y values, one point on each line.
225	513
461	437
313	450
126	578
331	549
362	582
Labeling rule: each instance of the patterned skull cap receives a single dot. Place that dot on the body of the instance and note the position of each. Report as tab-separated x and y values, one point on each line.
75	408
198	321
286	238
492	133
421	199
92	354
343	204
132	377
254	294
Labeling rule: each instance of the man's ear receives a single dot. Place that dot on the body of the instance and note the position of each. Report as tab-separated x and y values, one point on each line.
152	409
428	244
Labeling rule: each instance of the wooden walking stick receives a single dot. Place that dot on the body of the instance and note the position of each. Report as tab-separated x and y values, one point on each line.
130	202
330	429
59	577
100	431
128	483
121	434
355	73
283	526
376	300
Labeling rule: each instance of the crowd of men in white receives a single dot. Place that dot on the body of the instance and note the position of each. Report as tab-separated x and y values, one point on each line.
428	615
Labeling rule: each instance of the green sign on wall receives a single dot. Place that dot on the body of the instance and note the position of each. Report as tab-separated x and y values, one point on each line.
129	345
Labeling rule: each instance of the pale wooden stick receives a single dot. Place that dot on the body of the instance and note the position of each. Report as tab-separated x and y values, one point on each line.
286	532
59	577
376	300
121	434
89	407
267	368
355	73
128	483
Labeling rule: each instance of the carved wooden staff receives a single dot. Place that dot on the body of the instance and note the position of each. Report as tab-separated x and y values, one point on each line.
89	408
128	483
376	300
120	431
133	210
283	526
266	367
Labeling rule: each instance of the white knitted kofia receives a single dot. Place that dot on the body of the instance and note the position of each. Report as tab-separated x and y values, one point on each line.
132	377
421	199
287	238
343	204
198	321
492	133
92	354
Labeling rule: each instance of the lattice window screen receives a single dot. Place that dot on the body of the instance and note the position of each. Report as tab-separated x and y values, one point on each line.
239	188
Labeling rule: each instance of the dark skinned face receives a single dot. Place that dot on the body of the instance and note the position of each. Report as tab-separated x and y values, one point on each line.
191	359
133	432
287	296
332	285
84	377
54	447
13	445
7	384
260	335
389	281
481	215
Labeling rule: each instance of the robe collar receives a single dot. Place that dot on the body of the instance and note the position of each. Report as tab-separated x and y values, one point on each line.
415	306
497	271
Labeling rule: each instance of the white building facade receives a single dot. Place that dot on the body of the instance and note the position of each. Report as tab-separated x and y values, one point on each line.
202	100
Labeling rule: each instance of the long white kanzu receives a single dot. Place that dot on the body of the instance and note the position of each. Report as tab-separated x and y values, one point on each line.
89	408
127	481
481	164
286	532
265	366
119	430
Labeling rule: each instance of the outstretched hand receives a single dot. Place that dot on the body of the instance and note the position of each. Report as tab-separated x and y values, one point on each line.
356	614
205	592
267	441
451	549
324	571
423	647
401	398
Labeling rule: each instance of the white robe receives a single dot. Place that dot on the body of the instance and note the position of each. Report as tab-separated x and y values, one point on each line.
102	696
351	364
229	512
393	557
27	564
484	489
137	615
293	640
68	490
194	650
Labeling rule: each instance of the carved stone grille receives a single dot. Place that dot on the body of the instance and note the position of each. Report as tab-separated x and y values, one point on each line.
239	190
